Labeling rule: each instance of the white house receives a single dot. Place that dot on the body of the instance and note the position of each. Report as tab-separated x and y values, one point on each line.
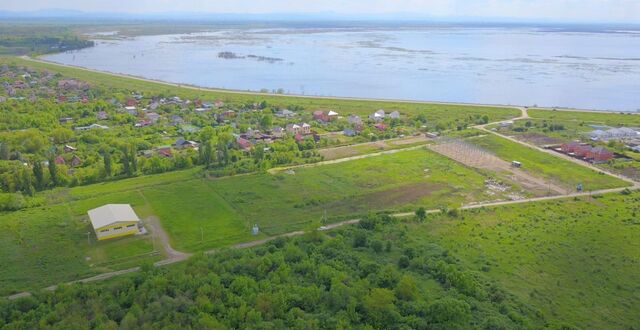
378	115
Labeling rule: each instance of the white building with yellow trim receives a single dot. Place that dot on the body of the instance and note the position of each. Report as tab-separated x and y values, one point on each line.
114	220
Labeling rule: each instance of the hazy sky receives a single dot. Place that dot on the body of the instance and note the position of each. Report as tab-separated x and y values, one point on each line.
569	10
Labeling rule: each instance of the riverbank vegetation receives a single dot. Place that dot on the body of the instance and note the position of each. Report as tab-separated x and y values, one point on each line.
33	39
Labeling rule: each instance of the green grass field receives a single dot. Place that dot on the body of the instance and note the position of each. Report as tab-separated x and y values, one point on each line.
560	171
434	112
577	261
50	243
597	118
204	214
393	182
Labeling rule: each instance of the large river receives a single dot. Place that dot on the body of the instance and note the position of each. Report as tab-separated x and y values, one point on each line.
502	65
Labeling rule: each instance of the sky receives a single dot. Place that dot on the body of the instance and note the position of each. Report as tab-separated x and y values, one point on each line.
627	11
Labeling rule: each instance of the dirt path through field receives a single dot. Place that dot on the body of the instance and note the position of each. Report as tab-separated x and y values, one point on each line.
276	170
160	235
109	275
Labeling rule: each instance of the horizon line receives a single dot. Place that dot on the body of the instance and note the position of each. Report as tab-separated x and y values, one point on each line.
54	13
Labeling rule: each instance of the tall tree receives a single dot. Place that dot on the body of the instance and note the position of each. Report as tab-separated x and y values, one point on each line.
134	158
126	164
107	163
38	173
5	153
26	183
266	121
53	171
207	155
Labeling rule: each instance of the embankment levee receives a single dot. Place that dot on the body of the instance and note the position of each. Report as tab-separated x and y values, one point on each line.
339	98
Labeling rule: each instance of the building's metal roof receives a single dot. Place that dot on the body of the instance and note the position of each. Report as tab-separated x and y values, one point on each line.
110	214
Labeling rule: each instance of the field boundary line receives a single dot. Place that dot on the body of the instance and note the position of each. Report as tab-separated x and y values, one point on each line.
277	170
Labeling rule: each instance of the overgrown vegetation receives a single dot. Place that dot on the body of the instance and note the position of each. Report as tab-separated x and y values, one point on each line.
577	261
30	39
370	276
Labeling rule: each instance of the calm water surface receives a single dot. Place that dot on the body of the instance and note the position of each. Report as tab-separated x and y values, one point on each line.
523	66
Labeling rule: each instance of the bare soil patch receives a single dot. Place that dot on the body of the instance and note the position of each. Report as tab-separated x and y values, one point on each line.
539	139
352	150
473	156
409	140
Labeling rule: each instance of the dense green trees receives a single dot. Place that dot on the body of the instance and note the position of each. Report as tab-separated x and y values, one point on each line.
315	281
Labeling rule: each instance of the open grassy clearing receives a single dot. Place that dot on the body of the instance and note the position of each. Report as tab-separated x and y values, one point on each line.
577	261
539	134
562	172
199	214
434	112
398	182
48	245
196	217
597	118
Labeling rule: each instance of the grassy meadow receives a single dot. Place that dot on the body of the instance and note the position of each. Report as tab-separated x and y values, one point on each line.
202	214
595	118
399	182
49	243
575	260
560	171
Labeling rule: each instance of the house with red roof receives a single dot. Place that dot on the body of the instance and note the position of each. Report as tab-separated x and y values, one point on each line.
244	144
381	126
59	161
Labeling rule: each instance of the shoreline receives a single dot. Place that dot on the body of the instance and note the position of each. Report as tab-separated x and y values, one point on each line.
38	59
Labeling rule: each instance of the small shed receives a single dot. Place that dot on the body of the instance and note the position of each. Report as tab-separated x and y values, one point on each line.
114	220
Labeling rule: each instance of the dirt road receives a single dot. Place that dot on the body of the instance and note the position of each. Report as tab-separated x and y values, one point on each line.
555	154
276	170
161	236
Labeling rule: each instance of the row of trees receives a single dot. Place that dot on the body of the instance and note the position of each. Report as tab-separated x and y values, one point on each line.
218	153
